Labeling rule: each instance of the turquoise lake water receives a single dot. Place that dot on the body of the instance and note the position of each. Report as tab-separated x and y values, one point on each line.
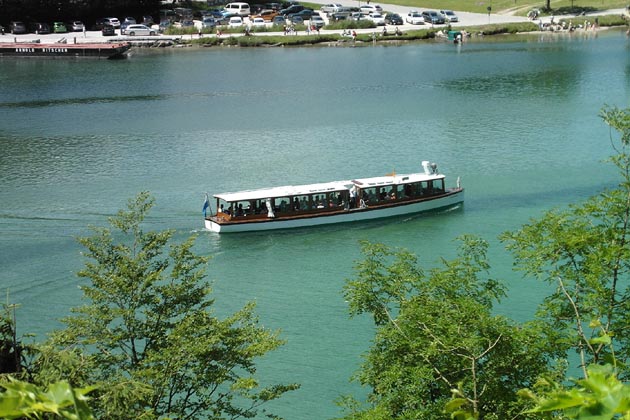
516	120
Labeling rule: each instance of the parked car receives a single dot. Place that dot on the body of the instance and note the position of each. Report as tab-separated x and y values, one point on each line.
208	22
112	21
17	27
432	17
139	29
215	13
294	8
393	19
59	28
305	14
164	26
415	18
331	8
188	23
278	20
108	30
235	22
75	26
125	23
366	9
147	20
317	21
267	15
296	20
377	18
39	28
258	22
449	16
239	8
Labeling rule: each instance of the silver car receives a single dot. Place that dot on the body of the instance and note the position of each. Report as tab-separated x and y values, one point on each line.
449	16
139	29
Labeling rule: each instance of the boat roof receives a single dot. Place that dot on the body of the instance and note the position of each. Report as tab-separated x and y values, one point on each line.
292	190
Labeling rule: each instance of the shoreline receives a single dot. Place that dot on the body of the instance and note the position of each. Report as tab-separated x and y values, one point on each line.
472	25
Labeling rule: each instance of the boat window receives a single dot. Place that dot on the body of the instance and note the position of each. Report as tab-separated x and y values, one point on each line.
302	202
319	201
282	204
438	186
243	208
410	190
369	195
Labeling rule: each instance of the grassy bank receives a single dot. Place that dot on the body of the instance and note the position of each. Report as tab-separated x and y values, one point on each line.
415	35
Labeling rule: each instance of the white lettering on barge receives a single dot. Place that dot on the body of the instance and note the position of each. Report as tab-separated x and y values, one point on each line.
45	50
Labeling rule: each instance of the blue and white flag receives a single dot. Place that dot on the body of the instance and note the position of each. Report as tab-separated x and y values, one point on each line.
206	204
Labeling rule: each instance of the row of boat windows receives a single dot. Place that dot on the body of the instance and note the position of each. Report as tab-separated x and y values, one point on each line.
334	200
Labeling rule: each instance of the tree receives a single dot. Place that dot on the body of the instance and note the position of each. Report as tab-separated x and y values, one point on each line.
436	333
147	335
584	251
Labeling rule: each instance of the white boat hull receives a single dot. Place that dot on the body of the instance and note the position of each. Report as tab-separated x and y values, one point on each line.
353	215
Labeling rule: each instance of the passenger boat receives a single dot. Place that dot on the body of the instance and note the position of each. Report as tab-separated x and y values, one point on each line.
60	50
332	202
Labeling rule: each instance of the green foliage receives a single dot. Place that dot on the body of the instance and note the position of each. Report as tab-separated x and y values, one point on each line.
601	396
147	334
24	400
435	333
10	349
584	252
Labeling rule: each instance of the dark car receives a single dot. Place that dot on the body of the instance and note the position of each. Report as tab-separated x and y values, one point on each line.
432	17
108	30
17	27
39	28
147	20
296	20
278	20
305	14
393	19
294	8
164	26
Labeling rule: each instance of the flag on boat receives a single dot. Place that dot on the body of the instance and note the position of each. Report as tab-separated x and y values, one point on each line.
206	204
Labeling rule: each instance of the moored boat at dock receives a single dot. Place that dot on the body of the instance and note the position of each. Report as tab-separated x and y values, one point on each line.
332	202
61	50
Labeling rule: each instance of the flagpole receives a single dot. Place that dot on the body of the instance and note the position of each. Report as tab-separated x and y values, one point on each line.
206	204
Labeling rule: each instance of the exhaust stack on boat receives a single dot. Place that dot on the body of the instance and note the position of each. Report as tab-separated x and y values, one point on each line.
429	168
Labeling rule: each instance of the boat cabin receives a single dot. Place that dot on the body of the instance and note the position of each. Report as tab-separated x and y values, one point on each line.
332	197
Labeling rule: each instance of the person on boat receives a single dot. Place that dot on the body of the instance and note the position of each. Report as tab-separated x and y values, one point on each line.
220	209
296	204
239	210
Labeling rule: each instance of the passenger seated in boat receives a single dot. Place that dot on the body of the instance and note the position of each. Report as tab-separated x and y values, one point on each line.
296	204
220	210
320	202
383	196
239	210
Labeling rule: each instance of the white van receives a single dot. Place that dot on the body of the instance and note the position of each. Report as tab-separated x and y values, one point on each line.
241	9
